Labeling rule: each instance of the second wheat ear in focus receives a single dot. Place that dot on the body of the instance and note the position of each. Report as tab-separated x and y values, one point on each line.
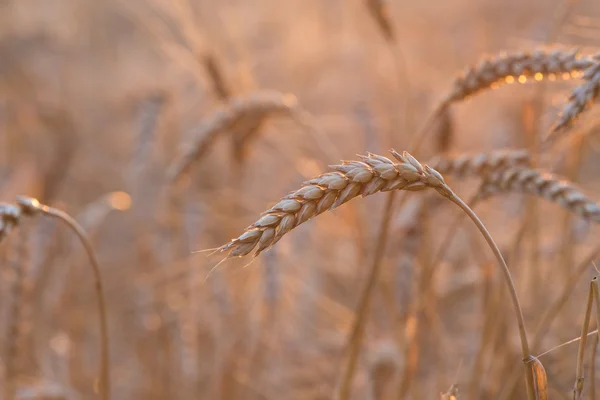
372	174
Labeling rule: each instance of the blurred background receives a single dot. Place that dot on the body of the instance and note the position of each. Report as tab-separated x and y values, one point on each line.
99	98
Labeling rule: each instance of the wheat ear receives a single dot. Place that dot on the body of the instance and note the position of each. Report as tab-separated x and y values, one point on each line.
32	207
544	185
238	111
481	164
517	67
372	174
580	99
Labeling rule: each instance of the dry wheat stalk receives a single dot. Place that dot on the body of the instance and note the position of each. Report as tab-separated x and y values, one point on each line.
541	184
581	98
517	67
372	174
479	164
238	111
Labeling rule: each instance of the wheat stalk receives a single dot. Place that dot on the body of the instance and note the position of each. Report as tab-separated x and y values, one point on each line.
544	185
479	164
517	67
372	174
580	99
238	111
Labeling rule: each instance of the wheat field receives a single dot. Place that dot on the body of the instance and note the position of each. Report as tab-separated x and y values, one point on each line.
300	199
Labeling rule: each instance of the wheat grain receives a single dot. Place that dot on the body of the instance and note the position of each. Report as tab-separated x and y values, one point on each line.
372	174
580	99
479	164
516	67
544	185
239	111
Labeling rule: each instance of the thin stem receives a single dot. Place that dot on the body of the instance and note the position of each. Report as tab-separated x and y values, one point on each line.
451	234
509	282
593	368
343	392
557	306
597	301
32	205
579	374
596	339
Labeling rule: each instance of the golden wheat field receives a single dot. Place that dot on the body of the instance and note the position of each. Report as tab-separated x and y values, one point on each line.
299	199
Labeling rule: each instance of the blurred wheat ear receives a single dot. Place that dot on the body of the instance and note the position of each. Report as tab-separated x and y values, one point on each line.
465	164
506	68
544	185
580	100
517	68
246	113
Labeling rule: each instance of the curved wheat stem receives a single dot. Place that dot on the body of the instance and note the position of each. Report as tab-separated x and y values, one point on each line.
480	164
372	174
240	112
544	185
580	99
516	67
32	207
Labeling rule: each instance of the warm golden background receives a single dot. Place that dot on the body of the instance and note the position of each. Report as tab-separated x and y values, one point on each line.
97	98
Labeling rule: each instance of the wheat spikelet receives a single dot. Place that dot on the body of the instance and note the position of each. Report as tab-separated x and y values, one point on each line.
9	218
216	75
372	174
451	393
544	185
237	112
380	13
383	367
516	67
479	164
580	99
